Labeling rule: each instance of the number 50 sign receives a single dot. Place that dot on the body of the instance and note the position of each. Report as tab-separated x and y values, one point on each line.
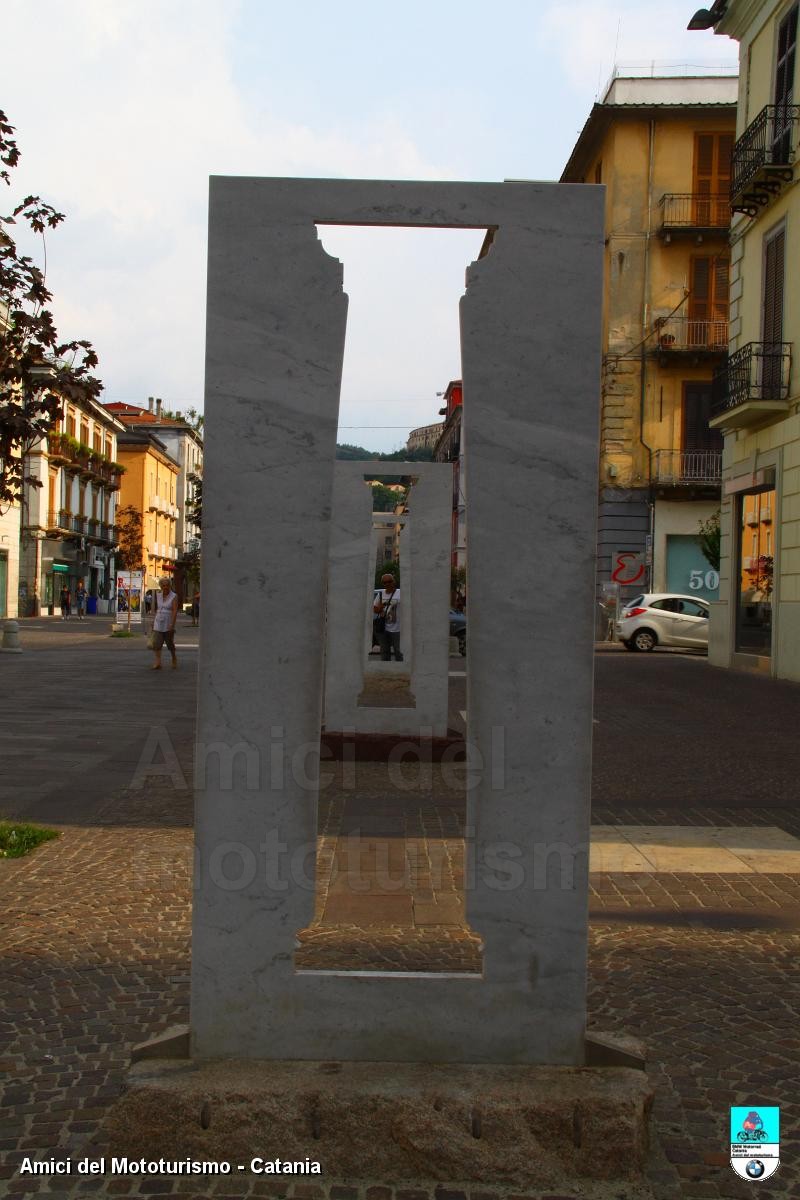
709	580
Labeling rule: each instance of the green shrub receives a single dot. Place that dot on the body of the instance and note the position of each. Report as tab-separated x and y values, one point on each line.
18	838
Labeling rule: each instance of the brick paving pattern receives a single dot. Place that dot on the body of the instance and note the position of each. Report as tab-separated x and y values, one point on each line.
702	968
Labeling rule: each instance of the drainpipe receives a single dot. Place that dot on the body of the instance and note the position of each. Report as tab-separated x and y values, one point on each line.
643	347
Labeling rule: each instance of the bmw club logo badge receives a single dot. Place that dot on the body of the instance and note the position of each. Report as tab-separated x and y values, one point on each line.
755	1141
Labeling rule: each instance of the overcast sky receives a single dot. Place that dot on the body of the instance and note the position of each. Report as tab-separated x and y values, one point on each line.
123	109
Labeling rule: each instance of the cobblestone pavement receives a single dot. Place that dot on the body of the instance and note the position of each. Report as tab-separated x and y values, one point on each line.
95	958
703	968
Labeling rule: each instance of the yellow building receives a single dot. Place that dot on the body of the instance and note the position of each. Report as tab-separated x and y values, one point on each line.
661	146
149	485
68	532
756	622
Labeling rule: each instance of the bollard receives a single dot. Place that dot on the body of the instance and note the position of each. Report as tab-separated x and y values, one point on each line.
11	638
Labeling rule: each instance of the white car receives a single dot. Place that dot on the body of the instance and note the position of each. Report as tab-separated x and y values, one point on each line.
664	619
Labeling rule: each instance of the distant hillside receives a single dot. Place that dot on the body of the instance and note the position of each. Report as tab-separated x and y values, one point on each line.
357	453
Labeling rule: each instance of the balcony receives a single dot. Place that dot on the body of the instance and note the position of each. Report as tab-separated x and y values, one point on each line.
698	338
93	527
688	468
107	533
762	158
753	386
58	521
58	448
694	214
78	525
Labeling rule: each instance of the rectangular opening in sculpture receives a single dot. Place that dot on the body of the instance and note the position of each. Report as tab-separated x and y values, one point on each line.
391	852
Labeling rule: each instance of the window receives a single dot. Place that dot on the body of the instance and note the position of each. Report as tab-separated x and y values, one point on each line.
755	569
784	87
691	608
696	434
708	300
712	177
774	249
772	313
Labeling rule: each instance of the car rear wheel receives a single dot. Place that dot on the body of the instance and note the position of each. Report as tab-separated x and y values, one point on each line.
644	639
628	645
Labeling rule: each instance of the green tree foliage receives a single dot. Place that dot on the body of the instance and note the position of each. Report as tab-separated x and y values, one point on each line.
358	453
191	563
190	416
129	554
388	568
385	499
709	534
38	372
194	509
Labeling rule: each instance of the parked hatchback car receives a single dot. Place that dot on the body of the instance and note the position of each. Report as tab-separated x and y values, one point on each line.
664	619
458	629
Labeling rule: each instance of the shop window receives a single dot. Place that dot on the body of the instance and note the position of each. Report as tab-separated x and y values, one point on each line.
756	574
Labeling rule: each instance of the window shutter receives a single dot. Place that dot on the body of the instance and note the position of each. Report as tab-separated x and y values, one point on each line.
720	289
696	415
722	187
773	288
700	287
712	177
784	67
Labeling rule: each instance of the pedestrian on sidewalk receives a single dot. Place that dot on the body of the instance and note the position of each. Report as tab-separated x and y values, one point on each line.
65	603
164	623
80	600
196	607
387	609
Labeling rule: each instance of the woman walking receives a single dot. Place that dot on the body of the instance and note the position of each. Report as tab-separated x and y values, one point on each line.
164	623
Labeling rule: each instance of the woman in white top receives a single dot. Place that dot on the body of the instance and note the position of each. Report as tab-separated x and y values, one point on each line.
164	623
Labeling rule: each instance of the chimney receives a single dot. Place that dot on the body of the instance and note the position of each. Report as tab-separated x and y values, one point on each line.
158	409
150	403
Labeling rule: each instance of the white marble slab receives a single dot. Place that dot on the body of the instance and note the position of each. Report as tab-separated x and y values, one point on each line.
530	323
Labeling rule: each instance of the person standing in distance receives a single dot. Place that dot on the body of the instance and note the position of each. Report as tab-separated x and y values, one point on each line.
164	623
387	606
80	600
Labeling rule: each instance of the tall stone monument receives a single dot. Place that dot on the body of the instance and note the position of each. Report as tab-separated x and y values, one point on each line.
530	332
487	1076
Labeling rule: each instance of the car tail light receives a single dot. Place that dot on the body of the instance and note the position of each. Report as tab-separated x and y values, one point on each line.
634	612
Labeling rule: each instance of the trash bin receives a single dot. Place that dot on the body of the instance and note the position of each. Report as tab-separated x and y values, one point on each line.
91	606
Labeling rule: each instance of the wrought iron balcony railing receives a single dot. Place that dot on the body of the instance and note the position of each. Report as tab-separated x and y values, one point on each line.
690	334
58	518
694	211
688	467
762	157
79	524
757	371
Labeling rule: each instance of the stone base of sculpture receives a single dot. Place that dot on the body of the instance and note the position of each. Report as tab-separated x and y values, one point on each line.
553	1128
